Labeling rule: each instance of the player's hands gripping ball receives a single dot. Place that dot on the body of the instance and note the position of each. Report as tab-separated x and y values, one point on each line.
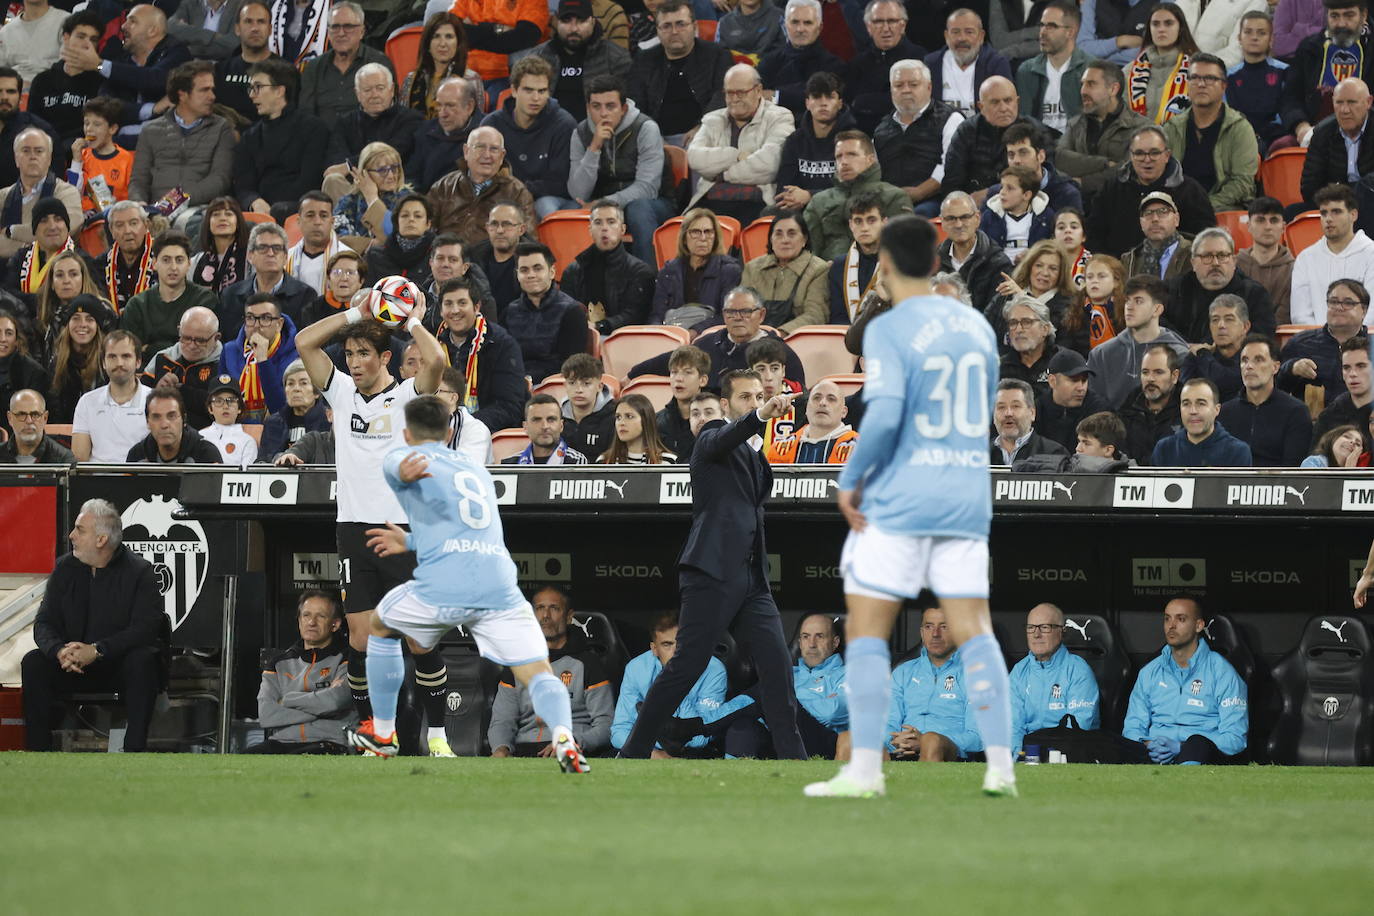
395	300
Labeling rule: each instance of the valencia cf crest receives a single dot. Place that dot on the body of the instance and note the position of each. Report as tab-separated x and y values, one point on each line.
177	548
1195	687
1055	692
949	682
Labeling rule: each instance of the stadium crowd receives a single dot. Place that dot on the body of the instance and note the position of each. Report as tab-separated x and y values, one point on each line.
193	184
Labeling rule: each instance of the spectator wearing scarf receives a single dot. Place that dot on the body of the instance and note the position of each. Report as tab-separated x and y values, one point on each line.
36	182
29	264
258	358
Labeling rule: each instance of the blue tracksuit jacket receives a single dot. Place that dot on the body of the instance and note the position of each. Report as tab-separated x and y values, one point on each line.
931	699
820	690
1207	698
702	700
1042	693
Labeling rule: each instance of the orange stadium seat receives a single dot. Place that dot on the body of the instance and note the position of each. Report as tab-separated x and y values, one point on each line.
665	237
91	239
939	229
657	388
706	29
1236	222
62	432
253	217
678	157
403	50
754	240
293	229
821	350
848	382
1304	230
637	342
1281	175
567	235
1286	332
556	386
507	442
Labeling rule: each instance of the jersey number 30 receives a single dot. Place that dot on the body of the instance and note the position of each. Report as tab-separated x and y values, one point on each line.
964	406
472	502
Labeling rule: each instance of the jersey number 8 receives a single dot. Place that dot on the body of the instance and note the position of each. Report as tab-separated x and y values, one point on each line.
472	507
964	408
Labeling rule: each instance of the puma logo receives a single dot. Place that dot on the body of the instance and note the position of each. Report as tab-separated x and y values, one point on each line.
1082	628
584	625
1327	625
618	487
1068	491
1300	494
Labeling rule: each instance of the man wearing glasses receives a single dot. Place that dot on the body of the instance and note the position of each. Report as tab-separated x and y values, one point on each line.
259	356
27	444
867	88
1050	682
968	251
465	198
327	82
1151	168
681	79
190	364
377	118
1214	273
1343	253
1049	84
1095	142
1214	141
155	313
267	247
1317	356
283	155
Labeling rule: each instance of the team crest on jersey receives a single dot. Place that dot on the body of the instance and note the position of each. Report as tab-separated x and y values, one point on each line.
949	682
1056	692
566	678
1196	686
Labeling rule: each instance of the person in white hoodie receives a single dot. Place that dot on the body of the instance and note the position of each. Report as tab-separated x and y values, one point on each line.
225	402
1217	29
1344	253
1115	364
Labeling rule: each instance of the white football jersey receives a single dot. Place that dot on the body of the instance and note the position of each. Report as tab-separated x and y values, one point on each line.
365	429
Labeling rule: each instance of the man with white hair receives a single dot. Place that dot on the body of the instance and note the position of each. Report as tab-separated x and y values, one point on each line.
379	118
869	72
738	149
33	158
913	140
786	68
480	182
327	89
137	76
100	628
267	248
958	72
1050	682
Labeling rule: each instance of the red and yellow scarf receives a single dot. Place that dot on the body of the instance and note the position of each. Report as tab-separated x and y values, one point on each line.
143	277
470	370
35	266
1175	96
249	383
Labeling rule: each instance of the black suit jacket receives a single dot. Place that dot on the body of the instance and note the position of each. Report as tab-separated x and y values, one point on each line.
730	482
117	609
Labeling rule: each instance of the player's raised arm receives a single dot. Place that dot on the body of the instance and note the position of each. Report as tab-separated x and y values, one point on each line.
431	353
311	340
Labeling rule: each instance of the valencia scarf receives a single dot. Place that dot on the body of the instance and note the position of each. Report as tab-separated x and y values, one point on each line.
35	266
249	383
1175	96
853	295
314	29
470	370
117	279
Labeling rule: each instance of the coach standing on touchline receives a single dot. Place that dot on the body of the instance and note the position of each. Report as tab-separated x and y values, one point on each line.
723	572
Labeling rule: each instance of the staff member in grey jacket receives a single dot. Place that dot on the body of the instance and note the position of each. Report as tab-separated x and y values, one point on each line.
304	702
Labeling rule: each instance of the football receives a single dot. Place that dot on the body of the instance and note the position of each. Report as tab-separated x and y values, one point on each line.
394	299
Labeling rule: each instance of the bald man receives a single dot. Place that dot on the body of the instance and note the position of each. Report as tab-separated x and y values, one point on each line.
1050	682
138	74
826	438
28	414
737	150
1328	160
977	154
191	364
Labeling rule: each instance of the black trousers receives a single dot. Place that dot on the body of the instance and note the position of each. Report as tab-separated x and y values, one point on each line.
1196	749
135	676
709	608
746	737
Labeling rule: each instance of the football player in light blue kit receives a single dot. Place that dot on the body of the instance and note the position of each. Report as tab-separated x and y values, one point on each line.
918	499
465	577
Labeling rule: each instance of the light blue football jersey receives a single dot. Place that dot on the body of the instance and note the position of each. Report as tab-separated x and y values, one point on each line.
938	357
455	530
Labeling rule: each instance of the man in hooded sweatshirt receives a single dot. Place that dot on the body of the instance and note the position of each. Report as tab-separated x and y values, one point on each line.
537	132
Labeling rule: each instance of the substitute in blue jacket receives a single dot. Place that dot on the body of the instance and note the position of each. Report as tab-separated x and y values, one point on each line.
1050	682
819	680
930	718
702	701
1188	705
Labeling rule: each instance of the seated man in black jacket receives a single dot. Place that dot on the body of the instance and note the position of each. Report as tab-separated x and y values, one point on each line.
1214	273
1013	414
283	155
786	68
485	353
616	286
379	117
1327	160
681	79
1058	411
808	155
99	629
28	444
169	439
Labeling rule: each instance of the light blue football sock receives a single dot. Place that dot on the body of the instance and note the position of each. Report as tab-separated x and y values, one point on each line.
868	685
551	700
988	690
386	670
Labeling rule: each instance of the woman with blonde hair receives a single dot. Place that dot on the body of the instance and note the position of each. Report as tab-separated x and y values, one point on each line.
1046	275
691	287
379	181
67	278
636	435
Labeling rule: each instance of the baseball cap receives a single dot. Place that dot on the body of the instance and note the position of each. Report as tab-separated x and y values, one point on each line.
1160	196
1070	363
574	9
224	383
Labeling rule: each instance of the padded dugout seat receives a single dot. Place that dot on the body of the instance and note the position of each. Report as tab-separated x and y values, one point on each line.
1092	638
604	641
1327	688
1224	639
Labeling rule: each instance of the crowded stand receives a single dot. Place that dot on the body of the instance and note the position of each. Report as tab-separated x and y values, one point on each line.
612	210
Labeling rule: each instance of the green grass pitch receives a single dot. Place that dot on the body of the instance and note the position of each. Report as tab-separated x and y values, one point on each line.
202	834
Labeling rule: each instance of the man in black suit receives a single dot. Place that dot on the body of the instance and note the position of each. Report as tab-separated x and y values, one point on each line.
100	628
723	572
1013	415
